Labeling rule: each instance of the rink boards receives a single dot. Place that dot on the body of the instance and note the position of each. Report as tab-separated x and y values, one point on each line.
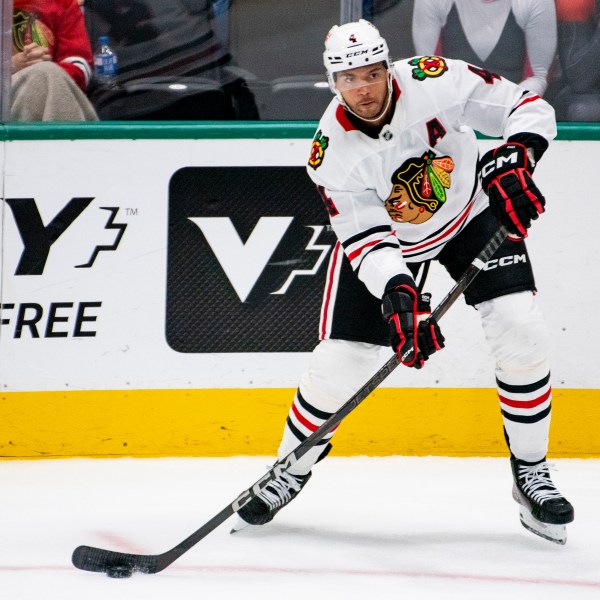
160	295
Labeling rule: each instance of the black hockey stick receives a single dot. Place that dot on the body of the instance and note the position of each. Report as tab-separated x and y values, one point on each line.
120	564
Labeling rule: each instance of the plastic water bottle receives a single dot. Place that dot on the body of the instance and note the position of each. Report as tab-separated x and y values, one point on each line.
105	63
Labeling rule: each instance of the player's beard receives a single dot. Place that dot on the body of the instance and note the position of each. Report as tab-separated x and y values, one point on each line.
369	109
372	108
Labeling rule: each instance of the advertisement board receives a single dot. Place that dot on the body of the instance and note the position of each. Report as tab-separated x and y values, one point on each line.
161	271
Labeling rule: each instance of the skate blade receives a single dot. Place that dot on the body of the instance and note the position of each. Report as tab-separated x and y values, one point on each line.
549	531
240	525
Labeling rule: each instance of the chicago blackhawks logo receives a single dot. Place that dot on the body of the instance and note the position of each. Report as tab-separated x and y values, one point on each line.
428	66
317	152
419	188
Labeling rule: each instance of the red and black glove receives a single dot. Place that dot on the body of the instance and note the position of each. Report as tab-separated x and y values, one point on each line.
406	311
506	178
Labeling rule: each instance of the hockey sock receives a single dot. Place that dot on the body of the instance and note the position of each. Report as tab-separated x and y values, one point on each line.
302	420
526	413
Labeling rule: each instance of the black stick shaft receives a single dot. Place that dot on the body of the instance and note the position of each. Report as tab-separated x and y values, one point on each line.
96	559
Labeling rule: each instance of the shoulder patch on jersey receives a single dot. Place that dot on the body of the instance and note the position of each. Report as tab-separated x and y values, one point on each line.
317	151
428	66
419	188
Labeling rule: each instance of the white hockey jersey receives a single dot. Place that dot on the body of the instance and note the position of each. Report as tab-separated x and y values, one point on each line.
404	195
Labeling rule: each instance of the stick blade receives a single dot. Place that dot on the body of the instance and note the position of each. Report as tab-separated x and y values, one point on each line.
88	558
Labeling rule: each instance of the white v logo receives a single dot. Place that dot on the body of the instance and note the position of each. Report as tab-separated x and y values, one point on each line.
243	263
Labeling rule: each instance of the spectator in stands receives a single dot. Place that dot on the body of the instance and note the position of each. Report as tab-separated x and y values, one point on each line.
512	38
579	54
172	64
51	62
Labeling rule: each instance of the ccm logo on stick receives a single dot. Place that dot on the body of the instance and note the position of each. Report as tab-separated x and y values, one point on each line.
505	261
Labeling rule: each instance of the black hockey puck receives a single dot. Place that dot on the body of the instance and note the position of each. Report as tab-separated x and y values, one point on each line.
119	572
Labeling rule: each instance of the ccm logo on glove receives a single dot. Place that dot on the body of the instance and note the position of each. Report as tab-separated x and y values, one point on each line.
515	200
500	163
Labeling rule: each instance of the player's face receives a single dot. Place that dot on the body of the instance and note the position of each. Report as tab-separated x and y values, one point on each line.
364	89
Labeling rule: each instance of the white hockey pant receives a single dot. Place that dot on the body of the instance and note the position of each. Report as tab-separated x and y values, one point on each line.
337	370
519	341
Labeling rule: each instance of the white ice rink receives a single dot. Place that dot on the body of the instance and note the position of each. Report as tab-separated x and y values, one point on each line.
411	528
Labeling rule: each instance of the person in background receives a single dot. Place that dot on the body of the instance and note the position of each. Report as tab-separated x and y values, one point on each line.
173	65
396	161
51	62
513	38
579	55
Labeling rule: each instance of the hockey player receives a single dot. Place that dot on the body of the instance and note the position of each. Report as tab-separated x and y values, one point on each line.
395	158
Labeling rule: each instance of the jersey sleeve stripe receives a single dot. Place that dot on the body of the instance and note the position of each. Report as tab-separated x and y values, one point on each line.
367	233
356	256
529	98
81	64
383	244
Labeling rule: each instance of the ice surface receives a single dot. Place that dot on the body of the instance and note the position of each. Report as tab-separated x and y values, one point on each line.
398	527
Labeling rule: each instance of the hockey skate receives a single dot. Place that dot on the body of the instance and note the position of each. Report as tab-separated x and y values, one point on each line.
262	508
543	509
